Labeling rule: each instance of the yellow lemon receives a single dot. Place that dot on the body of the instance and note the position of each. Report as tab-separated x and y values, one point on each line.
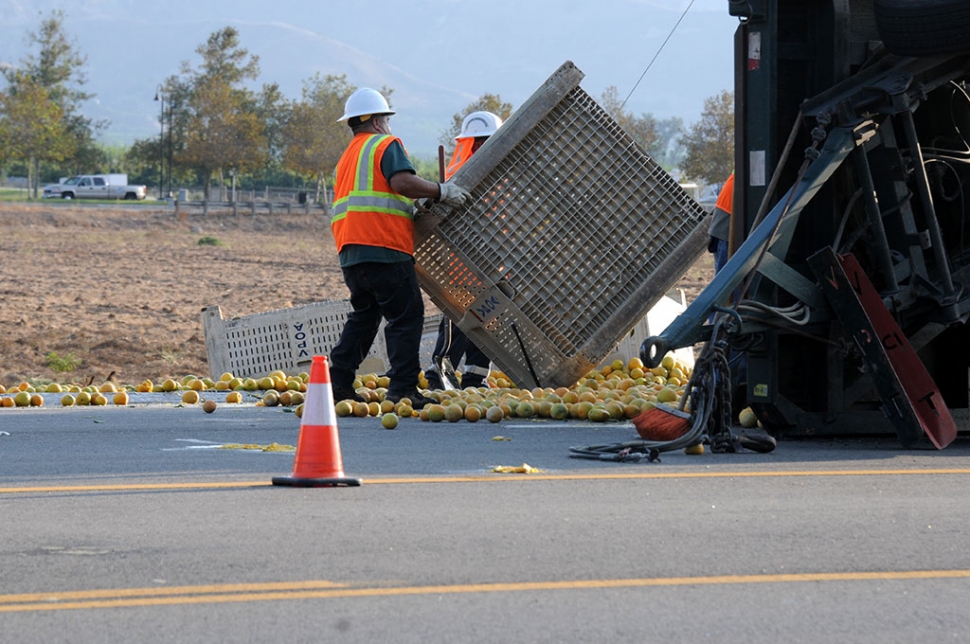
344	408
747	418
389	421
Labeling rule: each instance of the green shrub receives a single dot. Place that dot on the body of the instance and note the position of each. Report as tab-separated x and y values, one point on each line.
65	364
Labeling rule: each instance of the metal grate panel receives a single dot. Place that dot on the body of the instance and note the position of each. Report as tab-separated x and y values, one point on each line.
571	235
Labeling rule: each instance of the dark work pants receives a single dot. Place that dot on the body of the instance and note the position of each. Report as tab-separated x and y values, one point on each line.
391	292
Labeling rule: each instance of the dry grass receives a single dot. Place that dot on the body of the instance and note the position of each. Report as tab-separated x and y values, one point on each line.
122	289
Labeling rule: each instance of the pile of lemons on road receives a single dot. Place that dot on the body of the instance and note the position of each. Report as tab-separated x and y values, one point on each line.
617	391
274	389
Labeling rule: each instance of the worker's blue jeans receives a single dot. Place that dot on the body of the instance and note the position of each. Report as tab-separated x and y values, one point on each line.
391	292
720	255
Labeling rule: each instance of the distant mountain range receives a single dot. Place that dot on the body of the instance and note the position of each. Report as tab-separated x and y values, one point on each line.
437	55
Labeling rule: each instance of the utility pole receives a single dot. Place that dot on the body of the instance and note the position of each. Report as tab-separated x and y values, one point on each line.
160	97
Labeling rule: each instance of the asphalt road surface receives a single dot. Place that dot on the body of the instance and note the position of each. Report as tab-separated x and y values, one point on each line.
153	524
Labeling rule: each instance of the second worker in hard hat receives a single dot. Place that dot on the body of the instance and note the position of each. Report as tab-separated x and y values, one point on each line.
373	226
475	130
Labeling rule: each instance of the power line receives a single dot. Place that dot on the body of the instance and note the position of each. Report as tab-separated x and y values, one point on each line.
650	64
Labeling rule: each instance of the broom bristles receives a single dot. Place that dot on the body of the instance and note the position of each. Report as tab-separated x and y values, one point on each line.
662	423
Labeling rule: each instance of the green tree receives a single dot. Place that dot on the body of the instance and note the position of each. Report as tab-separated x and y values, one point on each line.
642	129
313	140
141	161
32	127
88	155
427	168
220	128
273	109
224	59
486	103
177	91
222	133
709	143
58	67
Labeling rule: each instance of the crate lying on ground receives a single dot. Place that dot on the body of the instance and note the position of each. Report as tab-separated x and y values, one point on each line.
287	339
571	235
653	323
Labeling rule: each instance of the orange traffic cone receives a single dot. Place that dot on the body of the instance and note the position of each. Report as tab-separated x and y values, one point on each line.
318	462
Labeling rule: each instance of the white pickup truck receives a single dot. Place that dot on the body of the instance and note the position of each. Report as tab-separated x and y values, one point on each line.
95	186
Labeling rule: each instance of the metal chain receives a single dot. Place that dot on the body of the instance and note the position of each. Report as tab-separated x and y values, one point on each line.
719	424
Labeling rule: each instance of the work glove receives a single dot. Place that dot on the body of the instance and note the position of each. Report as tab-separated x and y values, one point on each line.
452	194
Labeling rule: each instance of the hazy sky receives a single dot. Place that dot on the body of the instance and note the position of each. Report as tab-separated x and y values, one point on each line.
438	55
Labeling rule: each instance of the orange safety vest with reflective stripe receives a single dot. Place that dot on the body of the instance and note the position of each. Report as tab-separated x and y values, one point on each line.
725	198
463	152
366	210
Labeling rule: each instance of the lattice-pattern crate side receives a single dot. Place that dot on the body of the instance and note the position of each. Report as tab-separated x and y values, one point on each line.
517	348
577	230
323	325
287	339
259	349
284	339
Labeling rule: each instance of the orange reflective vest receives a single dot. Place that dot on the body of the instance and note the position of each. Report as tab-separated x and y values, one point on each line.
463	152
365	209
725	198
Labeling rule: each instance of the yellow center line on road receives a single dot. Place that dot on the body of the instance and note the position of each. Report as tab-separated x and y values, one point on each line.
493	478
116	593
128	597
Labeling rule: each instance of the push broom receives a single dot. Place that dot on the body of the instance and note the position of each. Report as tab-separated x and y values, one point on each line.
709	392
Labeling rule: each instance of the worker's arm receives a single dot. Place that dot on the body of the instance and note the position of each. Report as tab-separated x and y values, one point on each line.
404	181
413	187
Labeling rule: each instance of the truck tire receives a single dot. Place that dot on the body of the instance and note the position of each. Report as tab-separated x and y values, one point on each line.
67	195
923	27
130	196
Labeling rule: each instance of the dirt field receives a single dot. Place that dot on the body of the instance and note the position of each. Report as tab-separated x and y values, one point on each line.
122	290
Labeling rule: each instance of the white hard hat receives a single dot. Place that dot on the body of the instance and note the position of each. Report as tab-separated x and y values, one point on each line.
363	102
479	124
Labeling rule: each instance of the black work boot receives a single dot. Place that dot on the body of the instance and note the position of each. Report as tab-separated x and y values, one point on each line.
346	393
434	379
472	380
418	400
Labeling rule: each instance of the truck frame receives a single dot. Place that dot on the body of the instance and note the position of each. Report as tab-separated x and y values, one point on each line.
844	303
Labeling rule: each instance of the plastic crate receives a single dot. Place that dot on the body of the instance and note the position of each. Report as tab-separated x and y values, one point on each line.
287	339
653	323
571	235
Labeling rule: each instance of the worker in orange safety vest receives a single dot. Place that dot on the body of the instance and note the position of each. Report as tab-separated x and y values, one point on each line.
451	342
373	226
720	229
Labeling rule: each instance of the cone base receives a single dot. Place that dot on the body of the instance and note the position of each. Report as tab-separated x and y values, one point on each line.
294	481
